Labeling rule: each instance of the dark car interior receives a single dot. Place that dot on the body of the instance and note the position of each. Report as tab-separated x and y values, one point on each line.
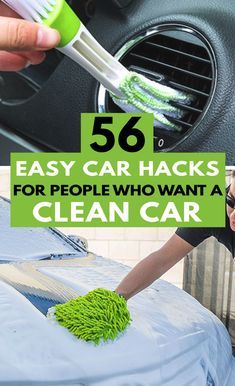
186	44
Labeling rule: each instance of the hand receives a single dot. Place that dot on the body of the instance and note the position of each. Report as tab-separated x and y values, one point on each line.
21	42
154	266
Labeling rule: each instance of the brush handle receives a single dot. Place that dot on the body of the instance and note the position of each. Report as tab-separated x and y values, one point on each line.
76	41
64	20
86	51
78	44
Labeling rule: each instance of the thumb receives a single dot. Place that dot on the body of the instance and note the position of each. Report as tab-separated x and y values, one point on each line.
18	34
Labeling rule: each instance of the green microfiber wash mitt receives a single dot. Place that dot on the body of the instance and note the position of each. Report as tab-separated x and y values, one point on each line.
100	315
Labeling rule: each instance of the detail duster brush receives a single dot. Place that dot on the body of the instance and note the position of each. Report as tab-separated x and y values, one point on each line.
130	91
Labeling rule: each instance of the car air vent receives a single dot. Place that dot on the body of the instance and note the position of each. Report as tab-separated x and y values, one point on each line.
178	57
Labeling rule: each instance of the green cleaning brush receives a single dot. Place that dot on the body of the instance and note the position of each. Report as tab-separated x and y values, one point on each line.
99	316
130	91
143	95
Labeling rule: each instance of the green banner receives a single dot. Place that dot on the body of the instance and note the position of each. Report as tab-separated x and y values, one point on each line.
118	181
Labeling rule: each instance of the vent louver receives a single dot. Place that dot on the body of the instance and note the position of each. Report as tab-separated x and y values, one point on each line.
184	61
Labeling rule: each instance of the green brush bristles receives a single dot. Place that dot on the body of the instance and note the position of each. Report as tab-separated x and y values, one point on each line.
142	95
134	85
100	315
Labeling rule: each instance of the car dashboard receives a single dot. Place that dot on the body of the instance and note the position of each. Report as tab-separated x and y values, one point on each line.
185	44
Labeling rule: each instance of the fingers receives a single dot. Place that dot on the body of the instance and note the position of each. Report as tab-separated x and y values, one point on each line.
21	35
10	61
34	57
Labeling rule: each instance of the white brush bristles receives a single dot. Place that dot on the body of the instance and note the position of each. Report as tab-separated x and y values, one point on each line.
33	10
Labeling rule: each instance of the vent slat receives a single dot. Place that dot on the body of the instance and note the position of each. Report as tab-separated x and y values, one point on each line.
185	46
187	88
172	67
181	122
195	57
188	108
